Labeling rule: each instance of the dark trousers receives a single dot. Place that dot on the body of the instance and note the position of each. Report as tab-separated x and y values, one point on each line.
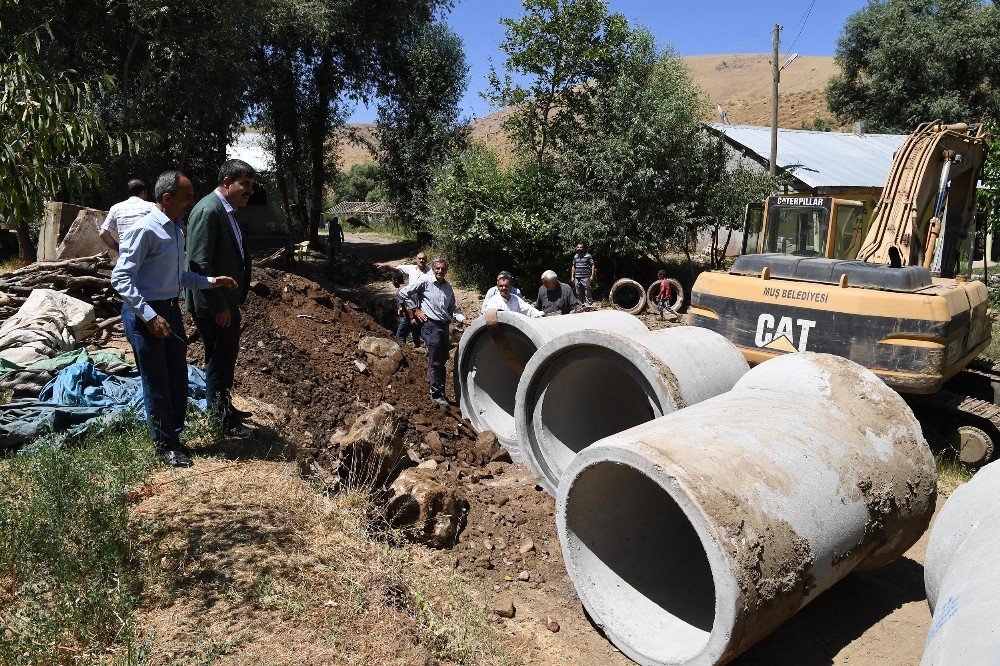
222	346
405	328
162	365
435	335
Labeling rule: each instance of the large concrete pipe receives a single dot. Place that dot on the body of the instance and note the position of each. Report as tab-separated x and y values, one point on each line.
961	571
693	536
583	386
490	361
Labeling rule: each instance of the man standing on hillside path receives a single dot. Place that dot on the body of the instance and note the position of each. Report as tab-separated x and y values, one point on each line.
126	213
581	274
216	247
149	275
432	302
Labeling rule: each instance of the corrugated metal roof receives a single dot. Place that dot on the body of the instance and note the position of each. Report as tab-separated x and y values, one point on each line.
248	147
822	159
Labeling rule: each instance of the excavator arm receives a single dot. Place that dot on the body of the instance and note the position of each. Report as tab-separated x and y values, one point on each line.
936	164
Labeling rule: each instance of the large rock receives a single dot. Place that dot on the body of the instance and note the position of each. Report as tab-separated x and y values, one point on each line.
372	448
384	355
428	511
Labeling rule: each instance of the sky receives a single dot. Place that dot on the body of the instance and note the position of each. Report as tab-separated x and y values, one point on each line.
701	27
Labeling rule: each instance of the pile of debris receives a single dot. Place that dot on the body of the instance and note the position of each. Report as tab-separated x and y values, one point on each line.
355	407
85	278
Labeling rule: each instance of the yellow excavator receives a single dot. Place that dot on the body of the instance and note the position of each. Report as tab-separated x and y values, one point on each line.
891	302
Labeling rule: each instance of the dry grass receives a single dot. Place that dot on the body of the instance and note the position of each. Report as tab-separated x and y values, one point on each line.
10	265
253	565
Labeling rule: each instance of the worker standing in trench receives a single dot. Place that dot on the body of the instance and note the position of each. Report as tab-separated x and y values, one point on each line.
432	302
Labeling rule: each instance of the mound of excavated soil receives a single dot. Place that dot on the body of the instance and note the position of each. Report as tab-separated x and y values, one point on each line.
299	354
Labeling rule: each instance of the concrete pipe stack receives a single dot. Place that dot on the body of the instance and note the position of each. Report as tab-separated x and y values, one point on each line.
692	536
585	385
961	571
491	359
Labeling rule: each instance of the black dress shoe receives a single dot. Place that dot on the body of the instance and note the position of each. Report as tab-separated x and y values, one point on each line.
239	414
172	458
185	449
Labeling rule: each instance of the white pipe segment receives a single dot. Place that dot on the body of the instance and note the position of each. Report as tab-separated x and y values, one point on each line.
692	536
961	572
486	374
583	386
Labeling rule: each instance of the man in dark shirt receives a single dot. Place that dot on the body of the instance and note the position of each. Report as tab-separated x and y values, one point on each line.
581	274
556	296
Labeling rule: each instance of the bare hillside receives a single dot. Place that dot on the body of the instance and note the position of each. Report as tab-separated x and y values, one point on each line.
740	83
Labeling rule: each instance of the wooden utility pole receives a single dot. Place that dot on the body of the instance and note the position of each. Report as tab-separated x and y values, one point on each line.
776	70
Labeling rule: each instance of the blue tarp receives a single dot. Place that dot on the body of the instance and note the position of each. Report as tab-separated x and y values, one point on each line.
80	397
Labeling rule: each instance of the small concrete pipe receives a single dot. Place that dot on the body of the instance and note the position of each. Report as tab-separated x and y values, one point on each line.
961	571
691	537
585	385
490	361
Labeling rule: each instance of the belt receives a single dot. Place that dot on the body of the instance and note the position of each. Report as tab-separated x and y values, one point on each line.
168	302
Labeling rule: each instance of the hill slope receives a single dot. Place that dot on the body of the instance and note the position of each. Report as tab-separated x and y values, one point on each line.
740	83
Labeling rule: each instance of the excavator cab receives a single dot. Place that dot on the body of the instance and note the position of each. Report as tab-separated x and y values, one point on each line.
805	227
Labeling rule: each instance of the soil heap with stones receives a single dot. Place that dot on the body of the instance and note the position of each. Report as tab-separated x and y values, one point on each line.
300	355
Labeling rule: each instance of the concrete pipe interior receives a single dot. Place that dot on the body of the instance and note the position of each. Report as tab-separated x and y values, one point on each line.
492	382
639	564
587	394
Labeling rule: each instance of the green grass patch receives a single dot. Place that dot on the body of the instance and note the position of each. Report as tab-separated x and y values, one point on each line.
70	564
951	473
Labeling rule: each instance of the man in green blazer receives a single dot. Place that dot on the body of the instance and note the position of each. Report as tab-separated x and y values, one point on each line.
216	246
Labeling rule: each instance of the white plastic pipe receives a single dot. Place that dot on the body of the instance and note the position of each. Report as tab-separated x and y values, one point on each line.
583	386
961	571
486	375
691	537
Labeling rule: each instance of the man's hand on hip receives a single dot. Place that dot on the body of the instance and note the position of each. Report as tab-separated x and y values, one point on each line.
159	327
419	315
225	282
223	318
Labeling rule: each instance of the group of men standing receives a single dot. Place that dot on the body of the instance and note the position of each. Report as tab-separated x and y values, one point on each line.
426	305
208	258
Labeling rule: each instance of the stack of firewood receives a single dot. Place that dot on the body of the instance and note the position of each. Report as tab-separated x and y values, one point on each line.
85	278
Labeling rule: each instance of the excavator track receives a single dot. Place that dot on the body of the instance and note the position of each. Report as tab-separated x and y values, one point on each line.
969	400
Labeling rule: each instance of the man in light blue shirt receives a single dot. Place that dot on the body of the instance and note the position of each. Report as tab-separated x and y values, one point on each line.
148	276
432	302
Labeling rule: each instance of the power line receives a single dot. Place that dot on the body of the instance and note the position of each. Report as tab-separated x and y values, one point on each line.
802	21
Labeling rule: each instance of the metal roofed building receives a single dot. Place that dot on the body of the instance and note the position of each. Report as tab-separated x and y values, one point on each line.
819	163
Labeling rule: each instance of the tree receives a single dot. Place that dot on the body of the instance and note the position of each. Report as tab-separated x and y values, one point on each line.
487	216
181	76
904	62
312	59
48	123
418	117
362	182
562	50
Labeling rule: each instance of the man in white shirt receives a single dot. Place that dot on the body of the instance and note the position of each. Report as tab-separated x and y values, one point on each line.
414	272
506	300
126	213
492	291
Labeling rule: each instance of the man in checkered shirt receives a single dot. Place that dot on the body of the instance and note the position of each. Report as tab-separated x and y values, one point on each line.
123	215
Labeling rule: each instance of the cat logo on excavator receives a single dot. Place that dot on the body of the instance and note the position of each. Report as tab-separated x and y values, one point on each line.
781	336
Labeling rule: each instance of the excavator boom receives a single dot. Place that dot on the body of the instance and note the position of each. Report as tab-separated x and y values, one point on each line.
932	157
